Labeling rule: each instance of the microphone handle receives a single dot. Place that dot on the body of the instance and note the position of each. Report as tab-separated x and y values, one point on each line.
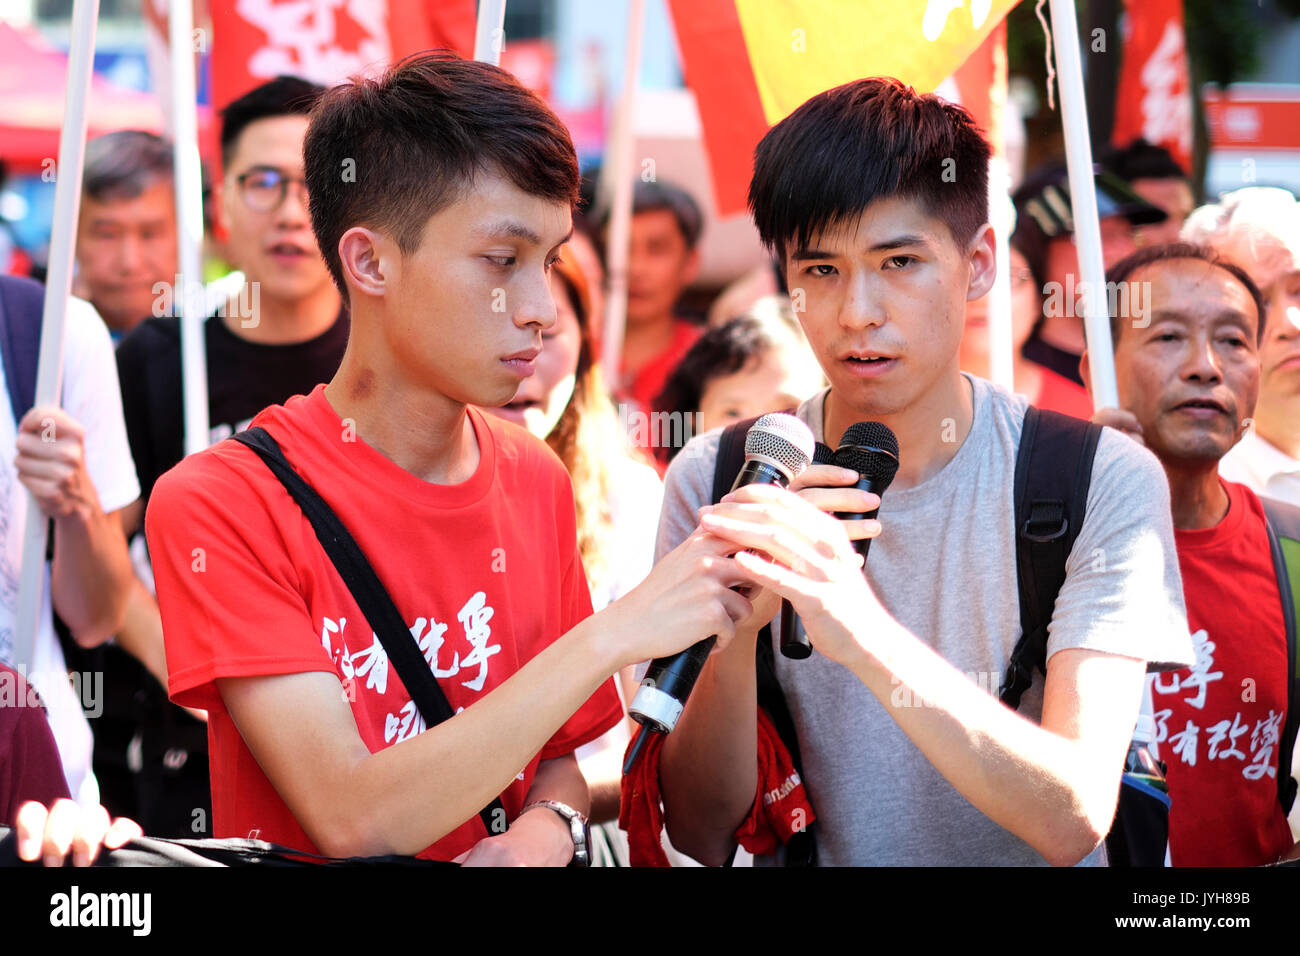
669	680
862	545
794	644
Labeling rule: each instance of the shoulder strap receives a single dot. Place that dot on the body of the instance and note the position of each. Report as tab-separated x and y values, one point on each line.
801	850
371	597
22	303
1284	541
1053	471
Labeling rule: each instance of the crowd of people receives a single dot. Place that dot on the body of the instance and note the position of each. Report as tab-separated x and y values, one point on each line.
404	309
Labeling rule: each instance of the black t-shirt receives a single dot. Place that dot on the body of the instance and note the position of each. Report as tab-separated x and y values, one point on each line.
1063	363
243	378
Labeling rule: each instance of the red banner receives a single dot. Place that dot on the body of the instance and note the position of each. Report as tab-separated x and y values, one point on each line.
1154	99
327	41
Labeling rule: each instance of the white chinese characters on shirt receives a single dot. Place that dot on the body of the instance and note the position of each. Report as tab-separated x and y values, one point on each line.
430	635
1223	739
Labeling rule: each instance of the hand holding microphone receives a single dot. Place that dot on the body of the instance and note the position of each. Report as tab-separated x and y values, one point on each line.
869	452
777	448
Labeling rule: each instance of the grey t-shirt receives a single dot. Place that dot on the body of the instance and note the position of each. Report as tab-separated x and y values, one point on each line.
944	567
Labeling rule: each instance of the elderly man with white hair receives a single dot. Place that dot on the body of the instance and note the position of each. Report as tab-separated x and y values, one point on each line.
1259	229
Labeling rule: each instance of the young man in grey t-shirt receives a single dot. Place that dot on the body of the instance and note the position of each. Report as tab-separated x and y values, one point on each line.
874	199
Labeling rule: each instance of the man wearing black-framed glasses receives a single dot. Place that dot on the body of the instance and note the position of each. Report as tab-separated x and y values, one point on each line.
280	335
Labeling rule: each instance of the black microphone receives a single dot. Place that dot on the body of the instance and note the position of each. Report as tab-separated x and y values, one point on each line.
870	449
794	645
777	447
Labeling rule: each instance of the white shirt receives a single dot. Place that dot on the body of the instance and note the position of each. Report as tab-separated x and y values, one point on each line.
92	398
1263	468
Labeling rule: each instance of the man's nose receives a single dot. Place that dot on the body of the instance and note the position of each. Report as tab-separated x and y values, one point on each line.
293	208
861	308
130	254
1202	362
536	305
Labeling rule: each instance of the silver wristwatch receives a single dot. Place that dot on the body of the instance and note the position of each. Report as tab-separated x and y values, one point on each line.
578	828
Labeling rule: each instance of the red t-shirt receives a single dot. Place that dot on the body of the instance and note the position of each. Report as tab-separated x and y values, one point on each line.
486	572
653	375
1220	721
1058	394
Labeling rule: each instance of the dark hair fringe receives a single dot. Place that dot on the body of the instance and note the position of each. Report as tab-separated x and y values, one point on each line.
867	140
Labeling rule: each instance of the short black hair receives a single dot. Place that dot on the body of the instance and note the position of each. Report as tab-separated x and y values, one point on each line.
870	139
660	194
123	164
1123	270
282	96
415	138
1142	160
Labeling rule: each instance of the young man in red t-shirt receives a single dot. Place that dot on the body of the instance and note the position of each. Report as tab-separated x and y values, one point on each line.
1188	374
440	195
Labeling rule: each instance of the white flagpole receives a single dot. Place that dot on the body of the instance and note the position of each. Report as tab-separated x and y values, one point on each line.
1083	202
489	31
617	184
58	287
188	294
1001	333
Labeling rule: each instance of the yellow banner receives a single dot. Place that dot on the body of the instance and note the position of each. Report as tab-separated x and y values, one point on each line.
799	48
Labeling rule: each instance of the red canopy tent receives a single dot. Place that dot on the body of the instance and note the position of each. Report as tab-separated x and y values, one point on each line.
32	79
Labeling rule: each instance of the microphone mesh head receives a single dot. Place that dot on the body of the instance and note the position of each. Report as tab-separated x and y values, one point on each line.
781	438
870	449
823	454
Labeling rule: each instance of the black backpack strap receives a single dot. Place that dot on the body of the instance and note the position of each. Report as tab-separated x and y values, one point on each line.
375	603
22	304
801	850
1284	541
1053	471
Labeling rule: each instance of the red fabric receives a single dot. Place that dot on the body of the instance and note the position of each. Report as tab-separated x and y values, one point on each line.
30	768
653	375
1058	394
486	572
780	807
1154	99
716	67
1219	721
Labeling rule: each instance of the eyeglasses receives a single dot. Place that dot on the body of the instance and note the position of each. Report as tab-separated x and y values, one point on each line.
263	189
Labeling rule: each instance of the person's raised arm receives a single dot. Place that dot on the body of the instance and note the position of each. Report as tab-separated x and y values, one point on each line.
708	772
299	726
1052	785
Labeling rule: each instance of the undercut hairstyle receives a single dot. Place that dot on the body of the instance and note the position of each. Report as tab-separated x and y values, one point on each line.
871	139
282	96
124	164
1123	270
415	139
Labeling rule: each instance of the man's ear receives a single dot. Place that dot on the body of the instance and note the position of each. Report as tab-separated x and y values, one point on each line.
368	260
1085	372
983	263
